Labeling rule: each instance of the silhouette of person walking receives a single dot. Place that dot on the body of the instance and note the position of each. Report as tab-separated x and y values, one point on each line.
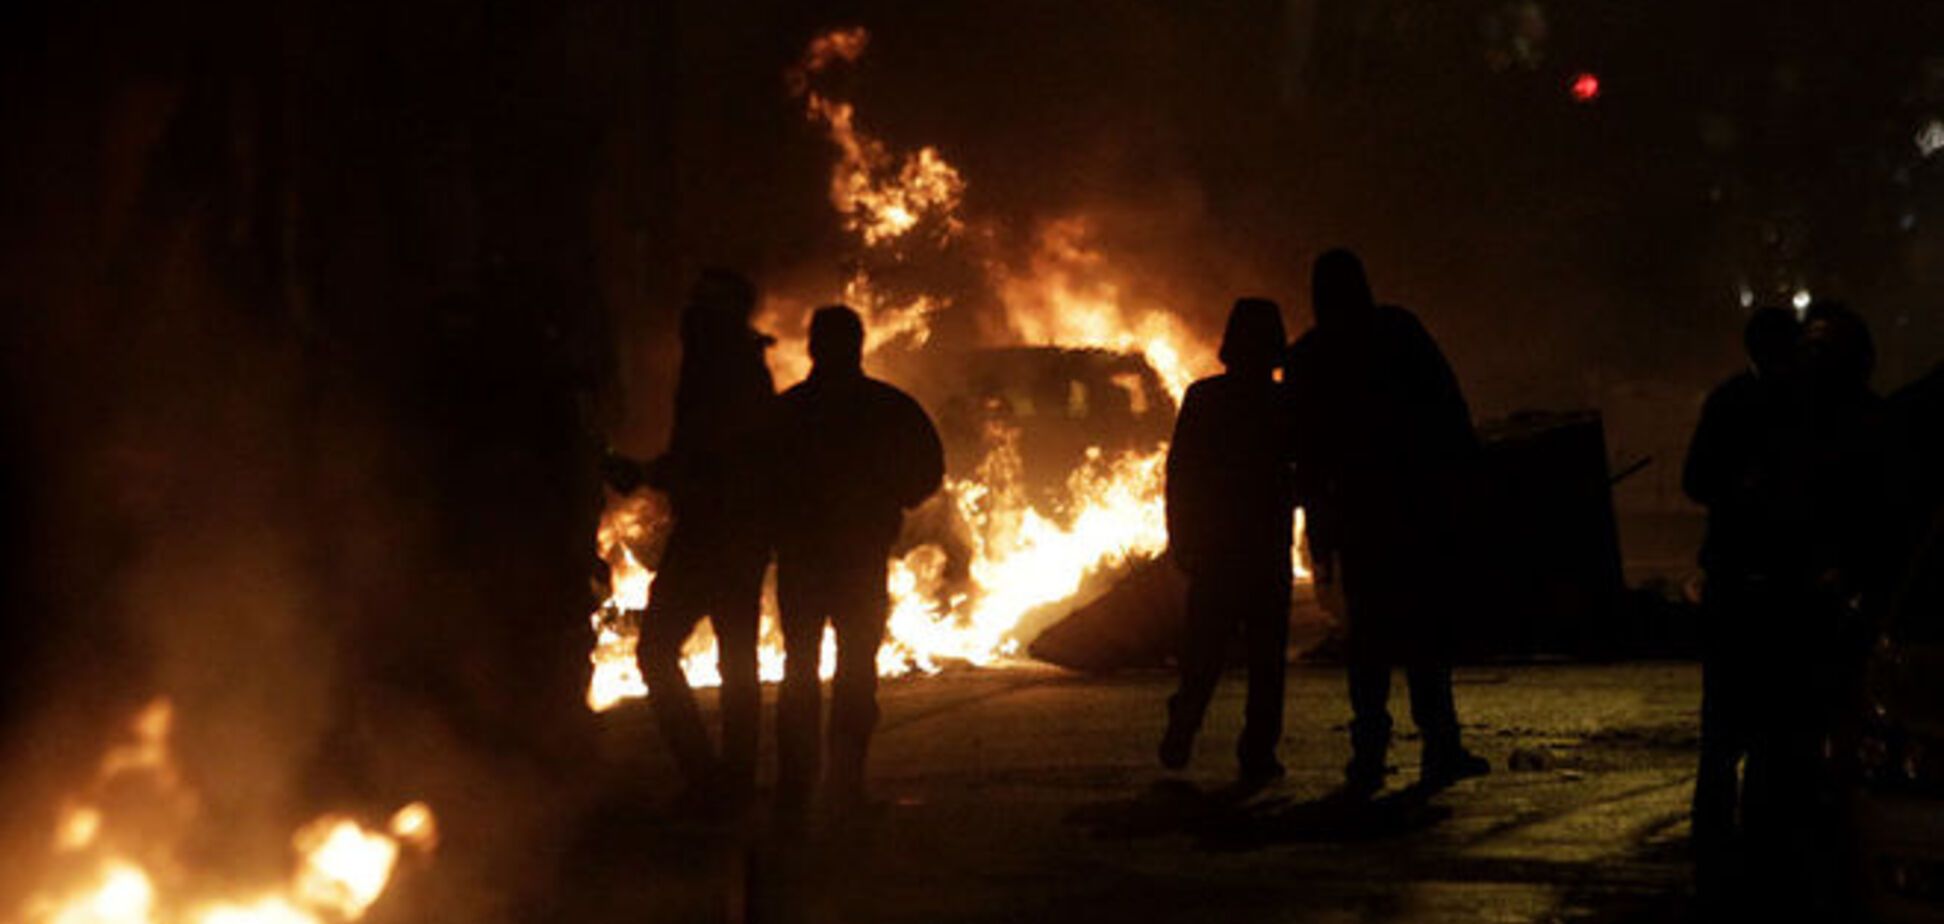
1229	505
1732	470
853	454
1835	490
713	564
1384	450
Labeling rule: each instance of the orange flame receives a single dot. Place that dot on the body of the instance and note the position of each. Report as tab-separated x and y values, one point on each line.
342	867
880	196
1067	296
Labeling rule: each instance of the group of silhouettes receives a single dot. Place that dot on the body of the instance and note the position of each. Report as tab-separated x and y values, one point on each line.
1361	423
1367	431
1815	492
819	477
1365	428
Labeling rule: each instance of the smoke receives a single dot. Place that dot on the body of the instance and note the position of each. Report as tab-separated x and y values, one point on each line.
276	458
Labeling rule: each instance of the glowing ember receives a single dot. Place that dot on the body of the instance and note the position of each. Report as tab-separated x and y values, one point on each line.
342	867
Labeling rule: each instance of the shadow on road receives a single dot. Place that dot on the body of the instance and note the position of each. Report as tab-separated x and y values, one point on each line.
1236	818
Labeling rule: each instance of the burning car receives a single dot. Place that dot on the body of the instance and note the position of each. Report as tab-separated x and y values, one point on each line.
1042	413
1058	403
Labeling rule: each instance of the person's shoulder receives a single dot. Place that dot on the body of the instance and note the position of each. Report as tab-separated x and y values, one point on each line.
1203	389
890	395
1396	314
1742	386
1398	319
798	393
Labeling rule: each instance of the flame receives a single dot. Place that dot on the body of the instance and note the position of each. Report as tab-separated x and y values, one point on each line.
1024	557
344	867
881	197
122	870
1066	296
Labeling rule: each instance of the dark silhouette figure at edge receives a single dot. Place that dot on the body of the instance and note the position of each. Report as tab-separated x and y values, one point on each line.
1731	471
1917	411
1229	505
1384	453
719	546
1797	466
852	454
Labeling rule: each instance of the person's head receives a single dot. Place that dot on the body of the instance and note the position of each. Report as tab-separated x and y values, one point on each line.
1254	341
720	303
836	340
1836	344
1770	337
1339	290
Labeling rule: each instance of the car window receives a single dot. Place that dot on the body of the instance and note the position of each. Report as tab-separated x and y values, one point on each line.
1130	382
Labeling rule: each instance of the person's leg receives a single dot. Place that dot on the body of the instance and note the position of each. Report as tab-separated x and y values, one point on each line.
1266	637
1725	739
1370	720
799	704
1204	644
1443	759
859	609
736	614
672	613
1433	711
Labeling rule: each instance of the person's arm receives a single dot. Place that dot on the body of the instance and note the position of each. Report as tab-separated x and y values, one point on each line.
1187	466
924	455
1443	396
1705	476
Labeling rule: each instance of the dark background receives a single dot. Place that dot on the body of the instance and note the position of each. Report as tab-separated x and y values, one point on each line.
317	316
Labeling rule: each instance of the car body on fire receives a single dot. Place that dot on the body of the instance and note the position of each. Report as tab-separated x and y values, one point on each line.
1897	788
1055	403
1057	407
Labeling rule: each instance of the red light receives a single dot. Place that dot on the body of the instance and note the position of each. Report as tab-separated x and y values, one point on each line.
1586	87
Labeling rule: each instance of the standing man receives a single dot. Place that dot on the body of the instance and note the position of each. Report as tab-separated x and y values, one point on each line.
1384	451
1733	469
1229	505
713	473
852	454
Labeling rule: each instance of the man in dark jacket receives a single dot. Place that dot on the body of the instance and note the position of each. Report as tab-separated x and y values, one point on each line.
1732	470
852	454
713	473
1384	454
1229	505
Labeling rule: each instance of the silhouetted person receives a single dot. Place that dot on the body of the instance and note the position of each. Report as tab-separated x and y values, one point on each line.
713	565
1918	412
1384	454
1825	496
1732	469
852	454
1229	506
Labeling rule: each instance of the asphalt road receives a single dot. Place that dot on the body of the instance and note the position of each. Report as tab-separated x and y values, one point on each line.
1033	795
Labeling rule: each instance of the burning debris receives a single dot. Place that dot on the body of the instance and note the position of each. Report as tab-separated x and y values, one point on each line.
118	845
1010	556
